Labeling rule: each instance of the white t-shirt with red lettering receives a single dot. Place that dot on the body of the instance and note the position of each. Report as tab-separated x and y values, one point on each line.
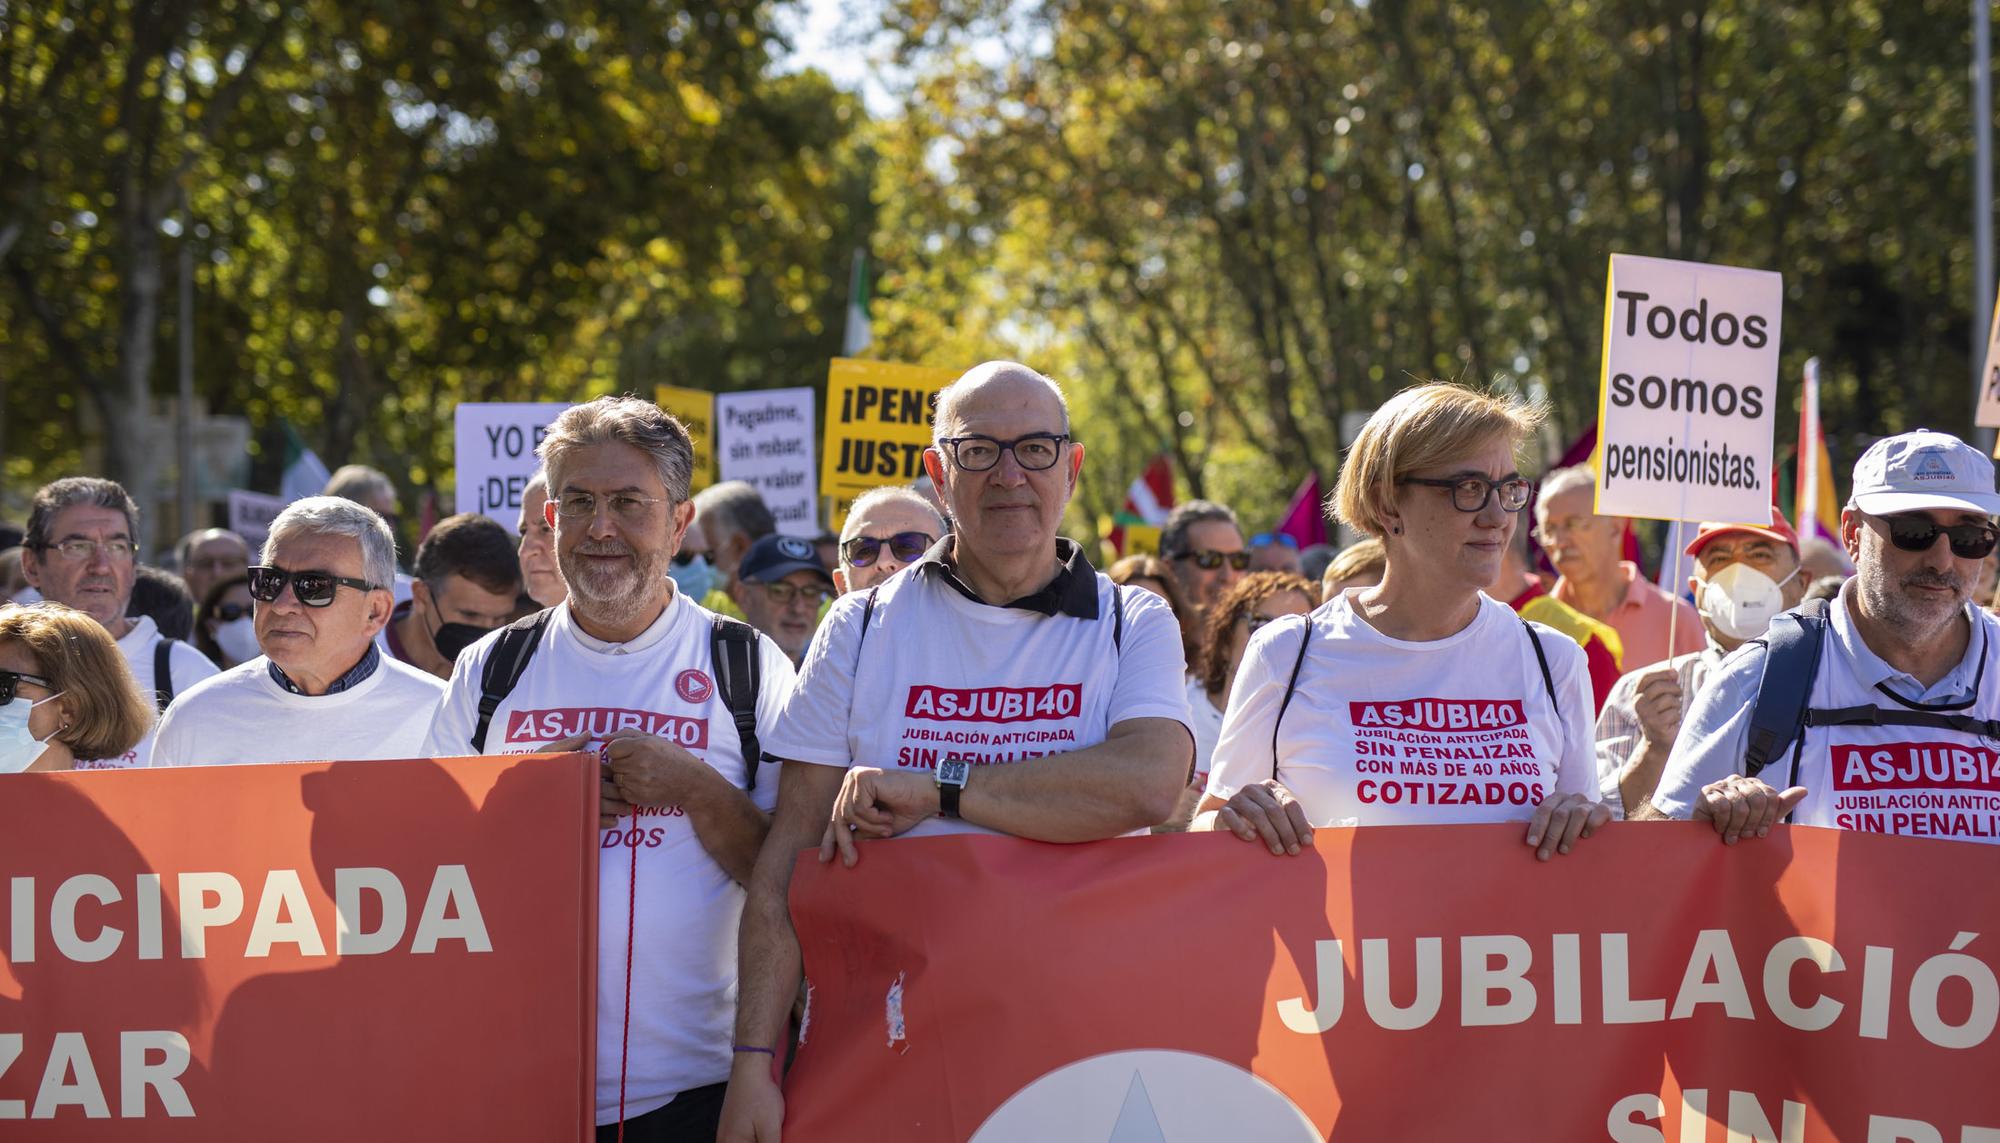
1384	731
940	675
140	646
683	968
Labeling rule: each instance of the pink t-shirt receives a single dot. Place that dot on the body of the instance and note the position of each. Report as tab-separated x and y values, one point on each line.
1643	617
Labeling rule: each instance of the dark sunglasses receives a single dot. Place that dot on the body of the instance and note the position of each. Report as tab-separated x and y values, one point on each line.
230	612
11	680
1913	533
683	559
311	588
1210	560
862	551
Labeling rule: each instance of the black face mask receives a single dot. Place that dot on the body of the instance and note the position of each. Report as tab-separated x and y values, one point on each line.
451	639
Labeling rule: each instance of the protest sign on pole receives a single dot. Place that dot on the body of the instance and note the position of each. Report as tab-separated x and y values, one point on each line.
1688	398
765	437
1409	983
696	410
878	423
1988	414
354	950
496	455
251	513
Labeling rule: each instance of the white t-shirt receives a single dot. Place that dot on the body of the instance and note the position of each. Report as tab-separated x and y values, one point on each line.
1383	731
940	675
684	935
188	666
1206	722
243	715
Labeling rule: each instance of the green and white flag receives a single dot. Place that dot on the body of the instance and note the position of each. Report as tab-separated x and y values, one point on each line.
305	473
858	337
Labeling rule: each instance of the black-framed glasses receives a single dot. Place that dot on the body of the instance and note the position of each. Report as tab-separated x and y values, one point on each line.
10	682
1470	493
229	612
1917	533
861	551
311	588
1209	560
1034	452
783	594
683	558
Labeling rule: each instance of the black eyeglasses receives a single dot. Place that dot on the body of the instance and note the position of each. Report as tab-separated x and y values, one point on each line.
230	612
1470	493
861	551
1210	560
311	588
11	680
1916	533
1034	452
684	558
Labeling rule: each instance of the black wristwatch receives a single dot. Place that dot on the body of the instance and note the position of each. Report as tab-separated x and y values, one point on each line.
951	777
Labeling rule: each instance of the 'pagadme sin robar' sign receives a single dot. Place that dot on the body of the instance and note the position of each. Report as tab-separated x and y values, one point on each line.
1689	392
1402	983
321	951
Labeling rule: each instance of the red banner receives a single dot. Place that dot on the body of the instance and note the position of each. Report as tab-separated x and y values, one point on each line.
1424	983
325	951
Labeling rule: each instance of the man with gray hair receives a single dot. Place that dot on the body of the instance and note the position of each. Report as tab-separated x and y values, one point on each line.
81	550
732	516
1203	546
322	688
887	529
1596	580
208	557
1001	620
674	701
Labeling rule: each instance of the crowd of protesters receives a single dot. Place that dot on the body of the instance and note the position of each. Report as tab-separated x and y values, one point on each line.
949	663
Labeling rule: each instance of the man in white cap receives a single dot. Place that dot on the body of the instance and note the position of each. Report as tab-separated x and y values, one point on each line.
1876	710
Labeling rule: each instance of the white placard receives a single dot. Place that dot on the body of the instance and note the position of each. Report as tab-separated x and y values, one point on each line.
1688	400
496	456
1988	414
250	516
766	436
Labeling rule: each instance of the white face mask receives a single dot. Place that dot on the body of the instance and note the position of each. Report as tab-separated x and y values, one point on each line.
238	639
19	748
1740	600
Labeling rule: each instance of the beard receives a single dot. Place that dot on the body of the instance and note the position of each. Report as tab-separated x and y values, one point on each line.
613	594
1917	615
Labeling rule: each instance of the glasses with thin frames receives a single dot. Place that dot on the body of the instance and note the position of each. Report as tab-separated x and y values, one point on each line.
10	683
783	594
1034	452
862	551
1209	560
1470	493
625	507
76	549
310	588
1915	533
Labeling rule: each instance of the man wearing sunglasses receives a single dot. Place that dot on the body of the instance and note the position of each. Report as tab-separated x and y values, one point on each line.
1881	715
887	530
81	550
323	688
999	685
1204	547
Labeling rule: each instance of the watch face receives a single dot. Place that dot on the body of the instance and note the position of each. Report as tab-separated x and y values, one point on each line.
953	771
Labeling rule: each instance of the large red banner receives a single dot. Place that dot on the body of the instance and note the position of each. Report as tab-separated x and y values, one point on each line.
323	951
1417	983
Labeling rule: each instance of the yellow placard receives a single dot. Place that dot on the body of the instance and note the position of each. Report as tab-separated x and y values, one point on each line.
696	409
1142	540
878	422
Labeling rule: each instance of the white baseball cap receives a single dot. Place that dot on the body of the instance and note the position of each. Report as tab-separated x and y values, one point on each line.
1914	471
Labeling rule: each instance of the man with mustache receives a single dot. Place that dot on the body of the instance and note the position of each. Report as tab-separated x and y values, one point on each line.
82	551
631	668
1886	713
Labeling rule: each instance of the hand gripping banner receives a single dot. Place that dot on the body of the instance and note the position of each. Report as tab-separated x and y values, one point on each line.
1416	983
320	951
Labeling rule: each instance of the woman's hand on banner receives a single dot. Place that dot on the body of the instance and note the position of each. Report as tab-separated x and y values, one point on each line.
1561	821
1267	812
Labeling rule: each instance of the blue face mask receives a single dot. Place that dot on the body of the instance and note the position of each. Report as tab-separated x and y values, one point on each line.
695	578
19	748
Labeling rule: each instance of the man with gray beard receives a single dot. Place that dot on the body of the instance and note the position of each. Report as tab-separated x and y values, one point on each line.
1878	710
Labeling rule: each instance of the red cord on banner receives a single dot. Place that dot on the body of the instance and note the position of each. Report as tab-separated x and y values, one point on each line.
631	918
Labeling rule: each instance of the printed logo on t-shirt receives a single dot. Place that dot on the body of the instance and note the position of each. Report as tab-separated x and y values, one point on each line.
1445	752
1440	714
1923	789
994	704
556	723
693	686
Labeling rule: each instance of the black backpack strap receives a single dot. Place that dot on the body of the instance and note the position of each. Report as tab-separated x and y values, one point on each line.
1117	618
1889	716
504	668
1792	647
1542	657
739	668
1291	686
163	672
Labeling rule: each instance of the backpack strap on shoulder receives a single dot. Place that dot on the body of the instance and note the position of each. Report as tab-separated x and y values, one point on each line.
163	672
505	666
1117	618
1542	657
1291	687
1792	648
733	647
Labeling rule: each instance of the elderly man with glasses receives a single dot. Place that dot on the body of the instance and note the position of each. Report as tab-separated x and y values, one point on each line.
322	688
81	551
887	530
999	685
781	586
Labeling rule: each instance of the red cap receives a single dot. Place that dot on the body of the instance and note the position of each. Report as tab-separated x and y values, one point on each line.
1780	530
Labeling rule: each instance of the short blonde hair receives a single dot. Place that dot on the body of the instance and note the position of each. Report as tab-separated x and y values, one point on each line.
1420	427
1358	558
79	659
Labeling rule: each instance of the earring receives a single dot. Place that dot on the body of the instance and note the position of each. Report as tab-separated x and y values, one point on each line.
1397	529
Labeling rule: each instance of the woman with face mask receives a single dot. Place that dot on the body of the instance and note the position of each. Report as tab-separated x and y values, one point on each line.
65	692
224	626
